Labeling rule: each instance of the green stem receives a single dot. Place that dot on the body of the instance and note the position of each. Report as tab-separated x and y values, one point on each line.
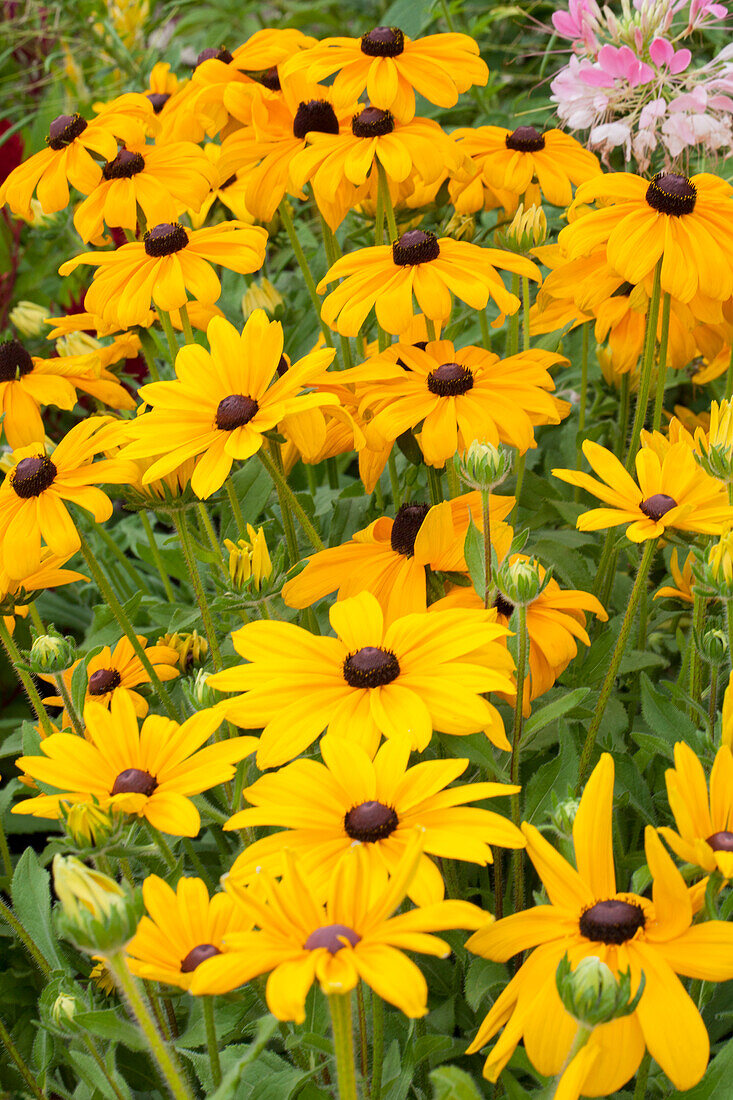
310	283
698	622
498	884
713	702
20	1064
162	845
662	366
430	326
394	480
211	1043
387	202
290	500
343	1044
25	678
488	569
623	637
236	508
512	332
128	567
363	1043
149	350
520	468
584	377
184	536
624	399
525	313
76	723
375	1091
7	914
36	618
647	363
162	1054
157	558
729	376
186	325
517	861
485	330
208	527
5	851
173	346
434	485
92	1048
642	1076
333	253
127	629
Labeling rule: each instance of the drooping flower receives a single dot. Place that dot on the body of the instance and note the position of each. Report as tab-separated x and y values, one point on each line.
418	674
704	834
353	936
587	915
182	930
683	579
26	383
14	592
150	771
223	401
672	491
379	803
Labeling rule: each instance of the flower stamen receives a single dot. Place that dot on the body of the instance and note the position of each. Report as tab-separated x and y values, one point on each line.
370	821
103	681
234	411
317	115
165	239
198	954
657	506
525	139
14	361
32	476
407	523
612	921
371	667
331	936
450	380
383	42
416	246
670	193
64	129
135	781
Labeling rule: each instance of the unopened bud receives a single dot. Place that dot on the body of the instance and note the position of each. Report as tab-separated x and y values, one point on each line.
527	230
64	1009
712	646
28	318
717	573
249	560
191	648
52	652
95	912
563	815
521	580
485	466
198	692
461	227
714	448
89	825
592	994
262	295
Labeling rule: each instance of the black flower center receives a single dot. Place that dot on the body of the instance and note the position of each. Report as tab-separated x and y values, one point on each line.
135	781
371	122
328	937
165	239
525	139
159	100
671	194
64	129
371	667
504	606
612	921
32	476
14	361
234	411
104	680
222	54
316	114
228	182
198	954
415	247
268	78
657	506
371	821
125	165
450	380
383	42
283	366
721	842
407	523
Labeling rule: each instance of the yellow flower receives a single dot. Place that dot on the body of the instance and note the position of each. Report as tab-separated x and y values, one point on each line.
391	67
33	493
168	264
700	504
228	186
184	929
191	648
587	915
15	593
353	936
249	559
419	263
404	680
222	402
682	578
28	318
704	823
26	383
327	807
149	772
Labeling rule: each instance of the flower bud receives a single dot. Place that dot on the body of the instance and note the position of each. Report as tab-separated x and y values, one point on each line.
461	227
191	648
28	318
563	815
95	912
592	994
63	1010
521	580
712	646
198	692
718	574
262	295
52	652
249	560
485	466
527	230
87	824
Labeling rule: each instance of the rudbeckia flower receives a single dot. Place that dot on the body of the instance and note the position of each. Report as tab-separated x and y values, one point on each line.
222	402
672	491
26	383
182	930
685	222
683	578
586	915
228	186
150	771
379	803
353	936
386	276
33	493
69	159
165	267
405	680
512	160
118	670
704	834
163	180
14	593
162	84
391	558
392	67
462	394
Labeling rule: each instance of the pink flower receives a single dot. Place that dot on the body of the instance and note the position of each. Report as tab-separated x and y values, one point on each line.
618	63
578	24
663	53
702	11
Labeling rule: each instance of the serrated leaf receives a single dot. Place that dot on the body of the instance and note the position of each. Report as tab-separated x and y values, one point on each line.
229	1087
31	894
109	1024
542	717
473	549
662	716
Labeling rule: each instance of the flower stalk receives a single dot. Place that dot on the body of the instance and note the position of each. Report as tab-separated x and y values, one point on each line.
647	364
339	1005
517	862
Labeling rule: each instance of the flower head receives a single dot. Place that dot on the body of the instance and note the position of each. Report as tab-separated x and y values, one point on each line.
704	833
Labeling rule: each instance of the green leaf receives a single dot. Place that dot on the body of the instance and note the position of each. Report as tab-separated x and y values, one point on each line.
80	680
109	1024
452	1083
556	775
412	16
230	1085
31	896
549	713
473	549
662	716
716	1081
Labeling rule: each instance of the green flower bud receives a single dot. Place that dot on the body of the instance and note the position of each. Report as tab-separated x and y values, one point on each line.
88	825
485	466
52	652
527	230
28	318
521	581
96	913
563	815
198	692
592	994
712	646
